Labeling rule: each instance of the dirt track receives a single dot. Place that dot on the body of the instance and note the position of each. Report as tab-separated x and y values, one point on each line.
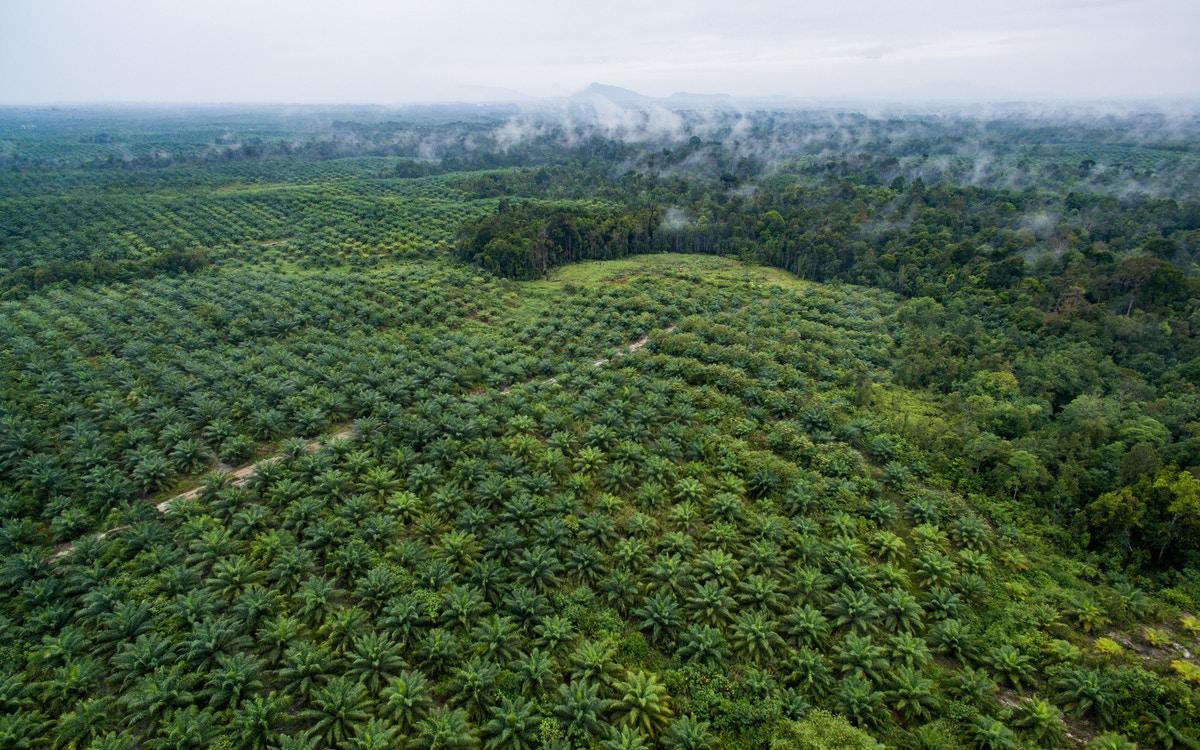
242	475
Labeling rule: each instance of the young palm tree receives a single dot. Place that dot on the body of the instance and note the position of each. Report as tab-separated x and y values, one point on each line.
660	616
626	738
305	665
406	699
1008	661
593	662
1111	741
806	626
703	644
990	734
374	658
339	711
954	638
642	703
1086	691
854	609
686	733
710	604
535	670
1041	721
909	650
911	694
901	611
974	687
808	671
257	719
473	685
513	725
756	636
236	676
375	735
580	711
496	636
89	719
860	702
445	729
861	656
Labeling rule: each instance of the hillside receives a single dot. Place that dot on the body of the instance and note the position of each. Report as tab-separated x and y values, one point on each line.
397	450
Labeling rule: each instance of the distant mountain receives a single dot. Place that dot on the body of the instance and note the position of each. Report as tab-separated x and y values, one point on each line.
689	100
615	94
629	98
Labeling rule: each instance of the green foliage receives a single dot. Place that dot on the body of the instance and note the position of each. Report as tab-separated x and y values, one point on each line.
821	730
672	501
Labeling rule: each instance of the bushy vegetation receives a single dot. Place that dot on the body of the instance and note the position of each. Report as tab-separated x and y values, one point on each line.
898	471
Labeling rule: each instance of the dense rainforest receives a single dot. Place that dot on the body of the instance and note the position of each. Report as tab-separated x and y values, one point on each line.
450	428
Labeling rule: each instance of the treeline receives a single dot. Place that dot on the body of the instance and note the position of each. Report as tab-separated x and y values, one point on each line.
26	280
524	240
907	237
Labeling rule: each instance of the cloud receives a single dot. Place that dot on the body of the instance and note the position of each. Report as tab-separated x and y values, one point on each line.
388	51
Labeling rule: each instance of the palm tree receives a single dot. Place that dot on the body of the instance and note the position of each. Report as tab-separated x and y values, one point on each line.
710	604
438	650
236	676
189	727
860	702
445	729
1164	728
660	616
626	738
988	733
153	696
376	735
535	670
338	712
256	720
901	612
406	699
513	725
702	644
643	703
552	633
808	671
854	609
686	733
620	590
909	650
1111	741
1041	721
760	592
911	694
756	636
974	687
806	626
210	639
89	719
1086	691
593	663
1008	661
953	637
474	683
861	656
374	658
580	710
305	665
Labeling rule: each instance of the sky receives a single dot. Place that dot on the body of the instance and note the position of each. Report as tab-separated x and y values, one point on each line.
396	51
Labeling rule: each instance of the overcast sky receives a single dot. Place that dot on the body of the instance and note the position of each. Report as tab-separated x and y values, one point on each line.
390	51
